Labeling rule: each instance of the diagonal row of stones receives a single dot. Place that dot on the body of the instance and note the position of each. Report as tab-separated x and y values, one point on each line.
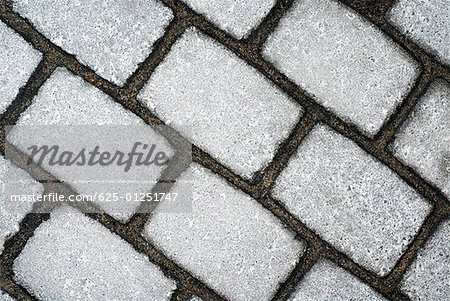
259	187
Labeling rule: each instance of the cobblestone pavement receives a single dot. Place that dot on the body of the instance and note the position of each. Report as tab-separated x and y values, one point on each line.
321	147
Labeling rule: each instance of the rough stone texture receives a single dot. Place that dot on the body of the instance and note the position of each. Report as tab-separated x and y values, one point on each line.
238	117
66	99
12	213
424	140
236	16
428	278
328	282
229	240
351	200
233	111
357	72
17	61
72	257
426	22
5	297
110	36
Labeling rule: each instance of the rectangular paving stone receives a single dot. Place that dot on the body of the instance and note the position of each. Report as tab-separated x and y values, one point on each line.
228	240
72	257
423	142
428	278
66	99
234	112
351	200
328	282
344	62
426	22
237	17
112	37
17	61
11	213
